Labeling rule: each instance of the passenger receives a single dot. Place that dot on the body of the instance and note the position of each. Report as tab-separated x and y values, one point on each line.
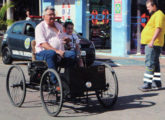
74	41
49	41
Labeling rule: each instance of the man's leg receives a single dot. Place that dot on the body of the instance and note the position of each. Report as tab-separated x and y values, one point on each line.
69	61
149	64
156	83
69	58
50	57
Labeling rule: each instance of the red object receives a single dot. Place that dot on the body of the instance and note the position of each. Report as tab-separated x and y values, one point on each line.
63	17
94	19
33	16
68	5
144	16
105	13
63	5
58	17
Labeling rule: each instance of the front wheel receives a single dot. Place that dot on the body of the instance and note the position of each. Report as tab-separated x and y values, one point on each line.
51	92
15	86
109	95
6	56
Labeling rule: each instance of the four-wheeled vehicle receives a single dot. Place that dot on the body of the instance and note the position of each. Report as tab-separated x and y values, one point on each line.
94	79
97	80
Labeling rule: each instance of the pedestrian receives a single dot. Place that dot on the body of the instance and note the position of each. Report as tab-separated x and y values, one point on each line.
152	37
28	14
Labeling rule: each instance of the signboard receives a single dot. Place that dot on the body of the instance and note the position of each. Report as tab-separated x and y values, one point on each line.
118	10
65	9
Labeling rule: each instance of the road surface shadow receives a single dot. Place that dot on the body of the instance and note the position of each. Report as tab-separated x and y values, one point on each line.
32	104
163	88
134	101
124	102
80	108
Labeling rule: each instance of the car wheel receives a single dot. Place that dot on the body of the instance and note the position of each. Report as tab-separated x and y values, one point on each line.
6	56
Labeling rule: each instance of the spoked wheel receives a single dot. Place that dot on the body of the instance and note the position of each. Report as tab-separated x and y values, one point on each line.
108	96
15	85
51	93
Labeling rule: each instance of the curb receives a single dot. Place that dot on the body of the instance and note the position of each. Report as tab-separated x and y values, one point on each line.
128	56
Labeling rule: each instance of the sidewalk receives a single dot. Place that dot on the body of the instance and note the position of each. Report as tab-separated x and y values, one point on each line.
127	61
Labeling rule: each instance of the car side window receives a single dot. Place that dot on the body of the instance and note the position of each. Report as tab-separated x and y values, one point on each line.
18	28
29	30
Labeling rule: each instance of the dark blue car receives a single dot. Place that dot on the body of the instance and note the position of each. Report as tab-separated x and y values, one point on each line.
16	43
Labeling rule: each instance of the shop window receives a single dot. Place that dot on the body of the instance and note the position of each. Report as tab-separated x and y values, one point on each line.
99	23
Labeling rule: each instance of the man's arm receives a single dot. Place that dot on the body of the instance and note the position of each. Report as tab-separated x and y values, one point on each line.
156	34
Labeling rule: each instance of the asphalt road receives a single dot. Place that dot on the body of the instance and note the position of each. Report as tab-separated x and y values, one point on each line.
132	104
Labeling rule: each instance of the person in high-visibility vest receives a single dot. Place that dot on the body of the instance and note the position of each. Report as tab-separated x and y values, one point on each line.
152	37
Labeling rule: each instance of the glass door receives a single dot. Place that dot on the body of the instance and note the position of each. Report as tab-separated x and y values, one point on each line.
99	23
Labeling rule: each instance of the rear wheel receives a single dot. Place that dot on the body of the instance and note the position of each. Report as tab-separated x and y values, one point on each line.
15	85
108	97
51	93
6	56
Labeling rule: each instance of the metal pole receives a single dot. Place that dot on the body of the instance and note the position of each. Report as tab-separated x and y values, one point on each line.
40	7
138	28
87	20
9	12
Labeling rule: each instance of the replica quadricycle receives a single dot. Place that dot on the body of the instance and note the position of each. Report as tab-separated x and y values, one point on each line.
94	79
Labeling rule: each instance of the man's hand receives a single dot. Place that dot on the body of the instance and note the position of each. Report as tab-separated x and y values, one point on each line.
60	52
151	44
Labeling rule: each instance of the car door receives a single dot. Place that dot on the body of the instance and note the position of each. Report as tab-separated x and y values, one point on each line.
14	38
28	36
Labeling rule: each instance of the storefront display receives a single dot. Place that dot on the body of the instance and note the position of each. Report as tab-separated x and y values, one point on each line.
99	20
